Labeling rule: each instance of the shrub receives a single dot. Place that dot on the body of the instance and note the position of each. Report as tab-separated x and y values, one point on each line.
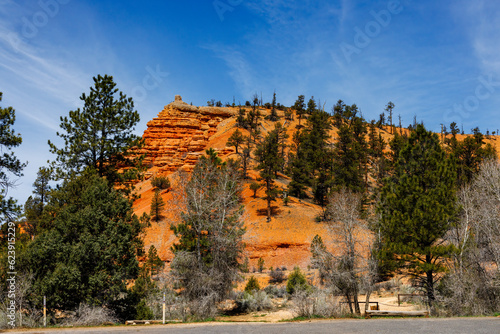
160	182
245	267
273	290
260	264
317	304
256	301
296	281
87	315
276	276
252	284
143	311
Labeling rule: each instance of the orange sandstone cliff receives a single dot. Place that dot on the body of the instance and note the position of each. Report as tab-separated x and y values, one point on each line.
179	136
176	139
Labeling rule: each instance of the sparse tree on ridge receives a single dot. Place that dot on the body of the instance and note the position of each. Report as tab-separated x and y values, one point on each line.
299	107
274	115
311	106
389	108
236	140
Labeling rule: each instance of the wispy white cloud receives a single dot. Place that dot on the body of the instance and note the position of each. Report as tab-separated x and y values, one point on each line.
482	21
239	68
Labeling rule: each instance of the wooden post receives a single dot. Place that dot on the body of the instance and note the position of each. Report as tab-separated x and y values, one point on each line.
163	307
44	312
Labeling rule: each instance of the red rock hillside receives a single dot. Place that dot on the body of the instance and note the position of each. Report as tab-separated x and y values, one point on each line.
179	136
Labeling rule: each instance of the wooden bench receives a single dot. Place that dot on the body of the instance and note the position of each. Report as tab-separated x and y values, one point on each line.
370	313
148	322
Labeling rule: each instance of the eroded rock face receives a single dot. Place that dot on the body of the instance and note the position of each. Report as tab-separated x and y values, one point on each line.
180	134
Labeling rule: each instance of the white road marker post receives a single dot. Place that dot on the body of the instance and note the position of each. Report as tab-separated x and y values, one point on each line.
44	312
163	307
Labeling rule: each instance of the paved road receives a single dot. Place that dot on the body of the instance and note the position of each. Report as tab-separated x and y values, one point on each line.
370	326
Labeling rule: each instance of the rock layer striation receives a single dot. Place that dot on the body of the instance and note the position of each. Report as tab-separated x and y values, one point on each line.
179	135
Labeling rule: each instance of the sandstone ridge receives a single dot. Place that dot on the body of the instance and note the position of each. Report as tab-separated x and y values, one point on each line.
180	134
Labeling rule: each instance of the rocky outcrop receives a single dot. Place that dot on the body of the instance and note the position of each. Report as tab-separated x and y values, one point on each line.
179	135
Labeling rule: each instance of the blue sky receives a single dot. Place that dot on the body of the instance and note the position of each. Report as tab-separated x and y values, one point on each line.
438	60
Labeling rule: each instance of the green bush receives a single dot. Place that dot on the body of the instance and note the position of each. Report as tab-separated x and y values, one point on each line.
160	182
143	311
245	267
260	265
252	285
296	281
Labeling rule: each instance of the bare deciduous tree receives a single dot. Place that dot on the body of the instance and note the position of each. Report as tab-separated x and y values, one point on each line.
210	232
349	270
472	286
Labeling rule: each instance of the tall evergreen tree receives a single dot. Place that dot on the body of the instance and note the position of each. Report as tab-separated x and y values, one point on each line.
35	205
351	149
9	163
157	205
417	207
300	168
89	253
268	155
299	107
100	135
153	263
274	115
311	106
390	108
470	153
320	154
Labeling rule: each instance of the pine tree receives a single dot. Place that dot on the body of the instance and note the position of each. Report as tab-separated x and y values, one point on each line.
157	205
89	253
282	143
311	106
241	121
350	152
236	140
389	108
274	115
153	263
9	163
268	155
100	135
254	186
319	153
300	168
299	107
417	207
469	154
34	206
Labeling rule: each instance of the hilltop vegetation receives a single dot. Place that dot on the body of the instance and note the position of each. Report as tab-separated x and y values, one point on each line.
389	200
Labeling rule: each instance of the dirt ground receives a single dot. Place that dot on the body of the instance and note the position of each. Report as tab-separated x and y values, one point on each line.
386	302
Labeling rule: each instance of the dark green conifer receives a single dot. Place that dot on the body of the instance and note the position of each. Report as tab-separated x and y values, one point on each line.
157	205
417	207
268	155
